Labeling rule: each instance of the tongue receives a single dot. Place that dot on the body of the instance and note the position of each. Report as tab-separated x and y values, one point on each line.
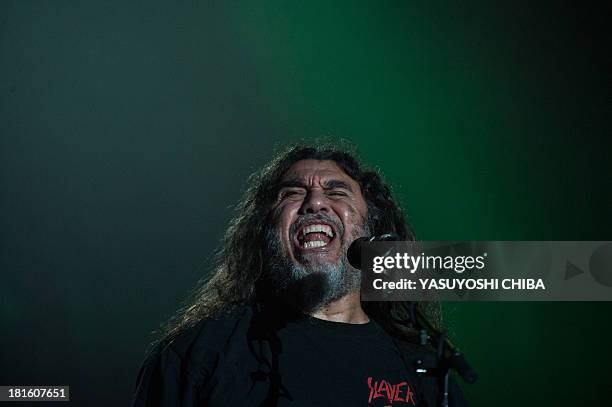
311	237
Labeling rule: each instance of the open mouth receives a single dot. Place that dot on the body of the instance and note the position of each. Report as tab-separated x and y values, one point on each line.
314	236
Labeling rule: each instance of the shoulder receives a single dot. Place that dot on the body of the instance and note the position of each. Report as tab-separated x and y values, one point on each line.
208	335
179	366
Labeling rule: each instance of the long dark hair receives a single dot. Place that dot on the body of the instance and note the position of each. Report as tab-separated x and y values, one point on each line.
238	261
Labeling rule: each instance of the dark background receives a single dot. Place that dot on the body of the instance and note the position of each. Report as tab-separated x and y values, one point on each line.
127	132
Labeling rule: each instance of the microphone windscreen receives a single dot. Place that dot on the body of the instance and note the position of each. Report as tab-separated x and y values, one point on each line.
353	254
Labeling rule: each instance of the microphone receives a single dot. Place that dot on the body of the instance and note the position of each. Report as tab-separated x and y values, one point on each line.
353	254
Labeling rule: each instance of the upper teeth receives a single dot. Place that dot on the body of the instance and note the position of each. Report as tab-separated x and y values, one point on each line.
318	228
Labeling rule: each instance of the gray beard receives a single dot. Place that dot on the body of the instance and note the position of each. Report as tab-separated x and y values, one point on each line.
309	288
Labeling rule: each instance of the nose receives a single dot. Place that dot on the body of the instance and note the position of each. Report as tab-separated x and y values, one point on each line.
315	202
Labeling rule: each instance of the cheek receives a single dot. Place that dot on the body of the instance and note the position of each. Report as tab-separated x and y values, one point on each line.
351	217
283	218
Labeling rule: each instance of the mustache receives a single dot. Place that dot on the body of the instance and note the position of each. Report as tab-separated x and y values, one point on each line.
302	220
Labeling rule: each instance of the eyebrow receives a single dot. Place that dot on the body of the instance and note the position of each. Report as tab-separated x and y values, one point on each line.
337	184
299	183
291	183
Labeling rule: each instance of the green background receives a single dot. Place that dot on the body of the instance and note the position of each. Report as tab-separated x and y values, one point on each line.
127	132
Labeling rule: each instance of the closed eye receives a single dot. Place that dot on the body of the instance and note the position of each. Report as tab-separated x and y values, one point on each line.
337	193
288	193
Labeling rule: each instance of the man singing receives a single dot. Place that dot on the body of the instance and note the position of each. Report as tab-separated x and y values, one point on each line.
279	321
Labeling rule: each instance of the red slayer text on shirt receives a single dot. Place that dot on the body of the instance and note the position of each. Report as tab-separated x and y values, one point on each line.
393	392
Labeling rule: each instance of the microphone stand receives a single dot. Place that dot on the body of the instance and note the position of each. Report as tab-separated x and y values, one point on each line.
447	355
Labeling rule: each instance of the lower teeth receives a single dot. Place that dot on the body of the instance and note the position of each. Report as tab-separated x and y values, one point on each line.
313	244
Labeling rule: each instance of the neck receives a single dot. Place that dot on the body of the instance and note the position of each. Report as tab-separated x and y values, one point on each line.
346	309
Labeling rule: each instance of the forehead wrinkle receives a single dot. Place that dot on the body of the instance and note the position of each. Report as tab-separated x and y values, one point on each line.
328	181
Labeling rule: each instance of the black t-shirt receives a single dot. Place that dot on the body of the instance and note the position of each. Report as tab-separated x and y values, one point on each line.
255	358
